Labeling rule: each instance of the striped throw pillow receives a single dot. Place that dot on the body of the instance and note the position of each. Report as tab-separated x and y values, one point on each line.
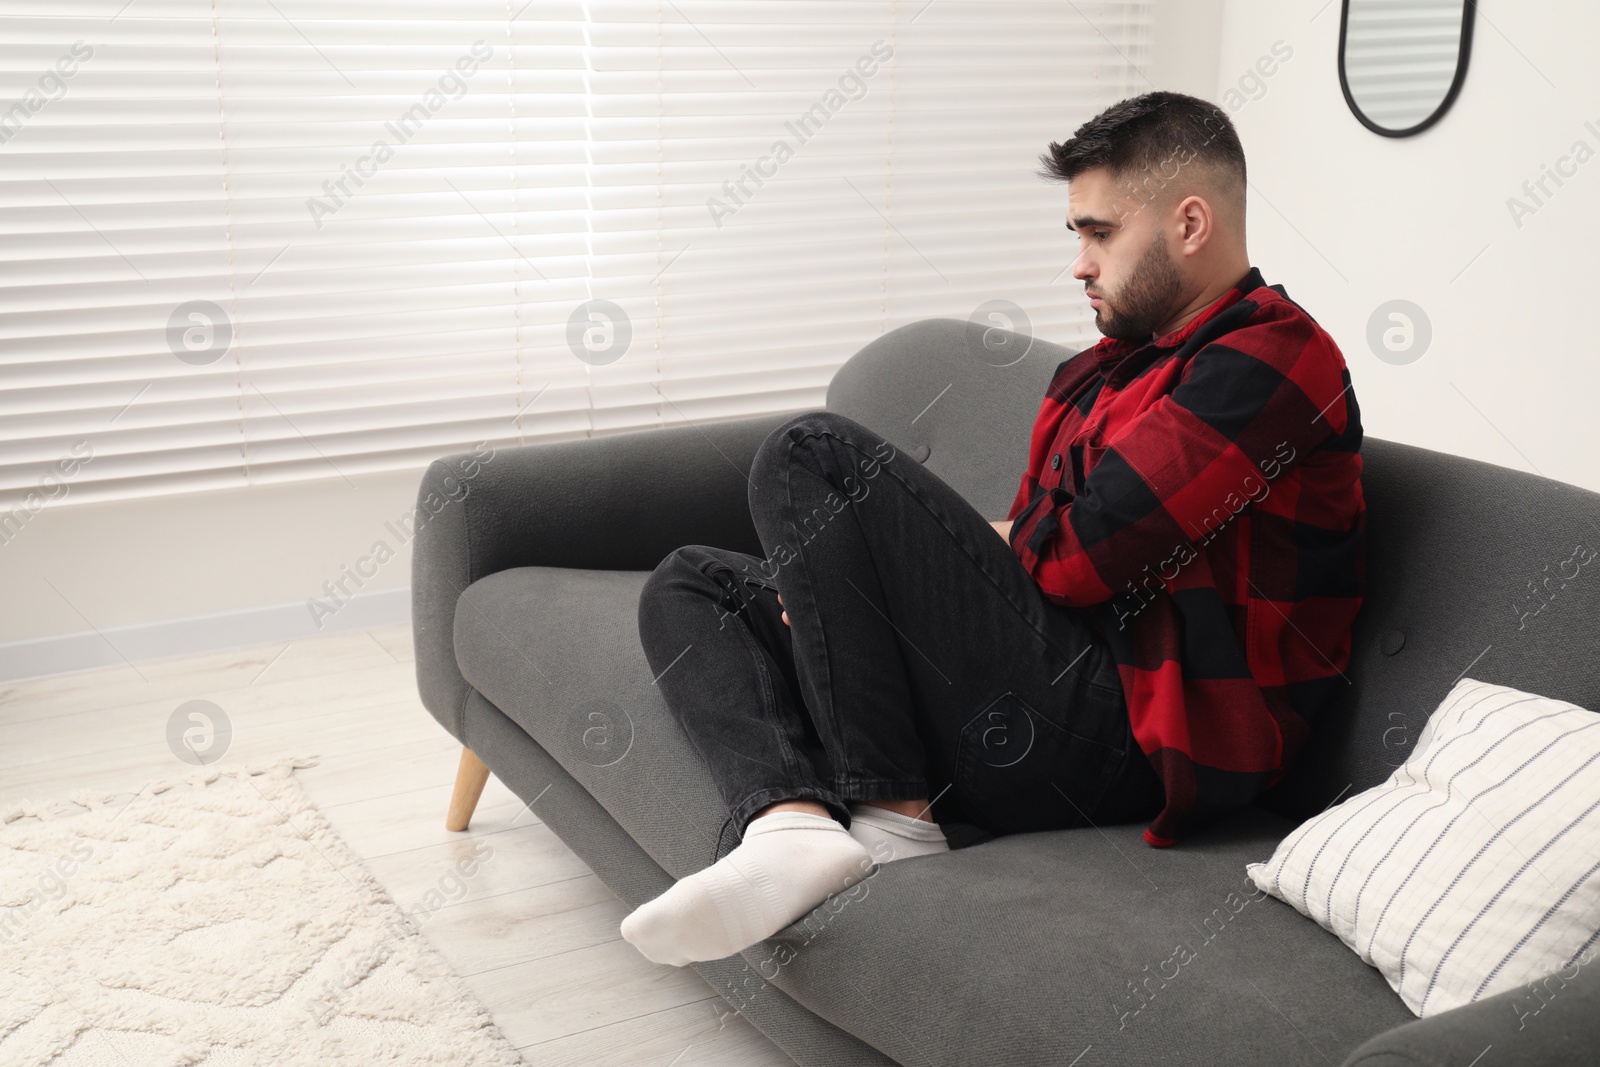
1475	867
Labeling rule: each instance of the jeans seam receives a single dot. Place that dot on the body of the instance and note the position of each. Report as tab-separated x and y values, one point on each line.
829	721
910	783
794	766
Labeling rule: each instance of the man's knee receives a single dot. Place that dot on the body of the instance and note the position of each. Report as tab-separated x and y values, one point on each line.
678	569
705	573
807	428
776	449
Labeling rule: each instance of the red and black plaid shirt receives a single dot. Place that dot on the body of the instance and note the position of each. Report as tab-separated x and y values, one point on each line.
1201	492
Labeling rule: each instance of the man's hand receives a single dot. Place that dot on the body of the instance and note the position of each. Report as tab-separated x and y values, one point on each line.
785	614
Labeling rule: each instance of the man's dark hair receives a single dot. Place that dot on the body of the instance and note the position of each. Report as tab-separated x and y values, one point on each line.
1145	140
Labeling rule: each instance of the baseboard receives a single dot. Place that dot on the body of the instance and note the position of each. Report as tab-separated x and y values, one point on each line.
165	638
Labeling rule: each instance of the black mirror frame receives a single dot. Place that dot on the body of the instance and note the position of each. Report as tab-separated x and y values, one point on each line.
1468	8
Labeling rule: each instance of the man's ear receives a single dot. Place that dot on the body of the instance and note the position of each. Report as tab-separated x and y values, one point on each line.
1197	223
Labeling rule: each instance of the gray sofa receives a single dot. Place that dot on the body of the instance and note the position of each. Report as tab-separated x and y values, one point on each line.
1021	949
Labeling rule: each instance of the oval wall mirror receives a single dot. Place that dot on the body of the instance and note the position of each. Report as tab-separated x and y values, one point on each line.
1401	62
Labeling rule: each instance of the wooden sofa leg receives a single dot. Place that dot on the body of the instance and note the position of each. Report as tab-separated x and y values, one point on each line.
471	776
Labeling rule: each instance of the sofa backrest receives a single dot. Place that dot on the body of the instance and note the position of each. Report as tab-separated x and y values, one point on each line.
1473	569
932	384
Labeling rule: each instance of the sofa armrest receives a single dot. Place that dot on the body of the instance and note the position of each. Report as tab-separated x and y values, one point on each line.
1554	1022
616	502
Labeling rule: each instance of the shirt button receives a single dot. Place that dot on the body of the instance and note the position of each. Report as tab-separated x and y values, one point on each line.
1055	462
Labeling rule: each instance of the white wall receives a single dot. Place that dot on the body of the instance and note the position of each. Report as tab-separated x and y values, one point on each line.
1346	220
1187	46
79	568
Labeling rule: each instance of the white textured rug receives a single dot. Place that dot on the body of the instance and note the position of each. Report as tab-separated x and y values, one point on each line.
215	921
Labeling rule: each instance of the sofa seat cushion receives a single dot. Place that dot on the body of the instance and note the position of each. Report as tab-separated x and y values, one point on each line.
556	649
1031	948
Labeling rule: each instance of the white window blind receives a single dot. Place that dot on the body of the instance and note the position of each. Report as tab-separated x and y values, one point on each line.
255	241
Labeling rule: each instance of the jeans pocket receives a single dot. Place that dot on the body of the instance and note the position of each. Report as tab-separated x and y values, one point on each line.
1019	771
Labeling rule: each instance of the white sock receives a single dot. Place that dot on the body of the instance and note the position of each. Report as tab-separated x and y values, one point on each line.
890	836
787	864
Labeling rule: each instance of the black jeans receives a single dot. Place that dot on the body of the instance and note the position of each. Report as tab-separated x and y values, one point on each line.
921	660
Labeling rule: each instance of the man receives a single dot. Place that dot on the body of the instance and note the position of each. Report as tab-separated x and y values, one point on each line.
1169	609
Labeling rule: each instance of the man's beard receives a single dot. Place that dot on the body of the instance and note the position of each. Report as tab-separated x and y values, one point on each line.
1146	299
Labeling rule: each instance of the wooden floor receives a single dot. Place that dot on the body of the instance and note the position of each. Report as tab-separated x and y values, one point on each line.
533	932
